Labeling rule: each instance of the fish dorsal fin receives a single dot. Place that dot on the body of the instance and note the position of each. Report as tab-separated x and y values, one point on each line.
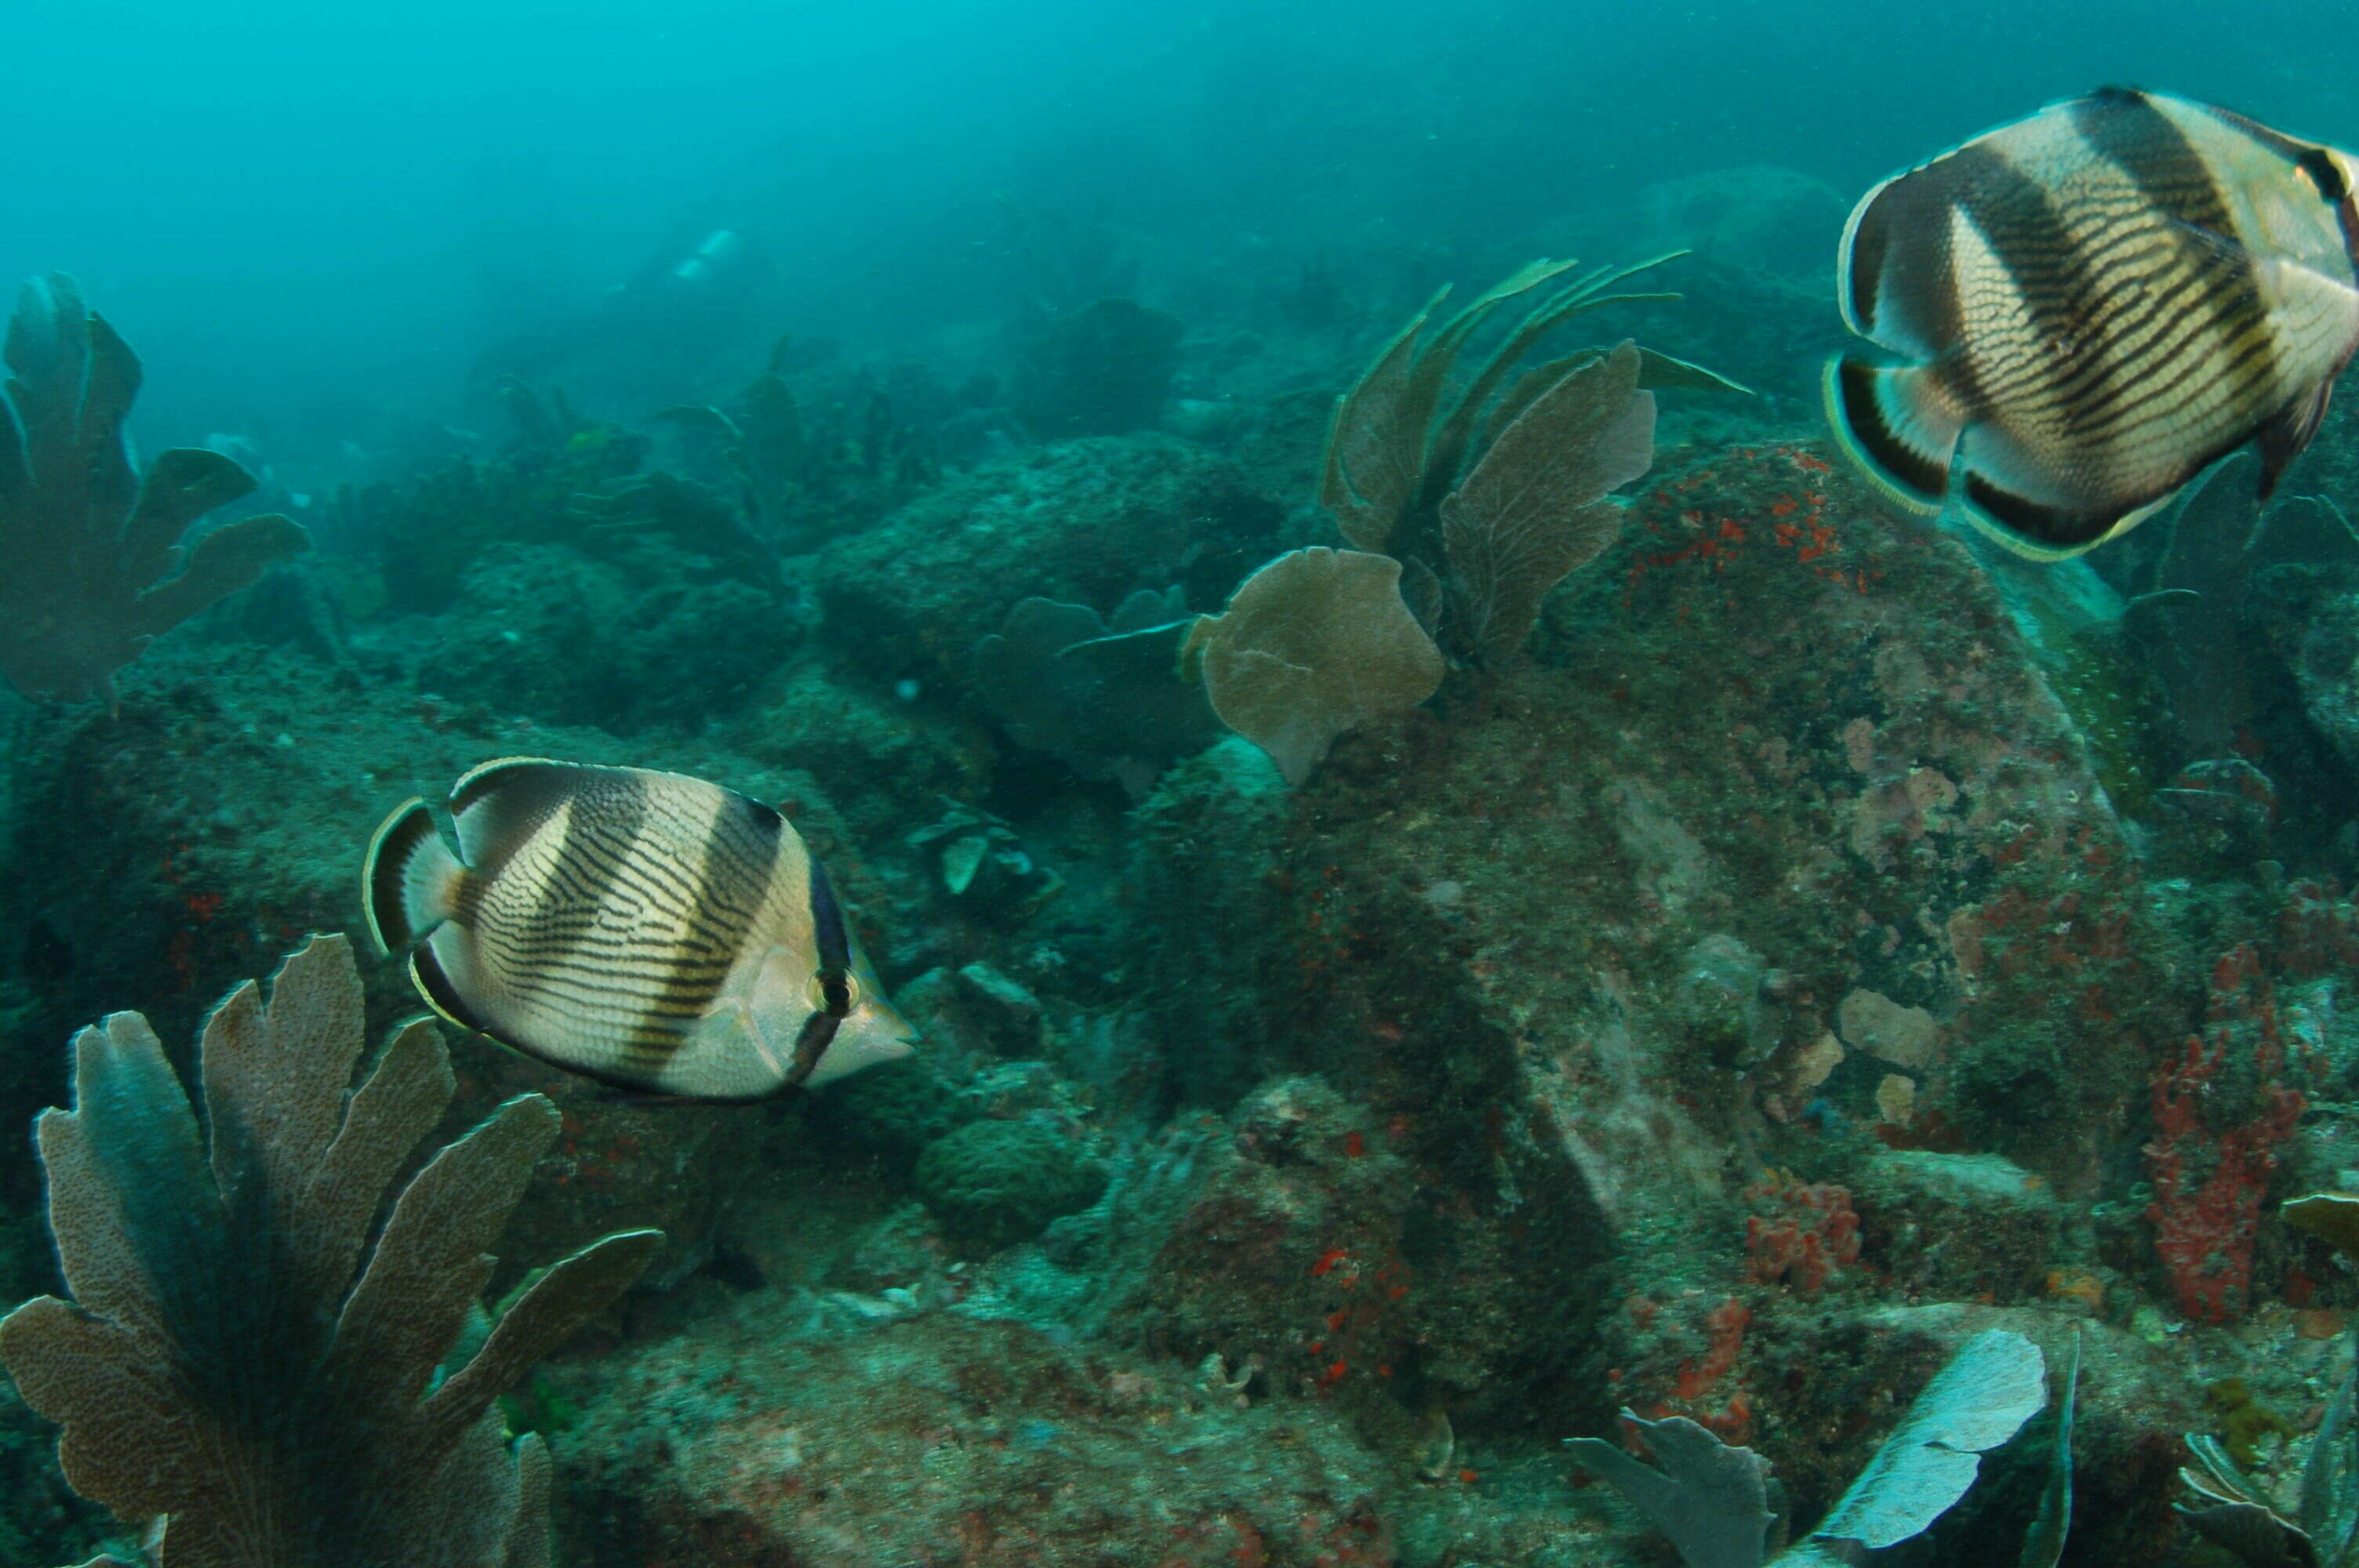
495	807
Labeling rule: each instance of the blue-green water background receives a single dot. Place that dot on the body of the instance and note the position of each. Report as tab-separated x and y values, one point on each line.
327	230
292	209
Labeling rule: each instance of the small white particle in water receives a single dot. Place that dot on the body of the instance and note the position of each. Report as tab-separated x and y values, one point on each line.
906	689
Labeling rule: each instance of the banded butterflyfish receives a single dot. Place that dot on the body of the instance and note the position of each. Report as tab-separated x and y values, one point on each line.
2089	307
652	931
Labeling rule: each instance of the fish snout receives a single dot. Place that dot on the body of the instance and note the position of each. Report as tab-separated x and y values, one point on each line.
872	1033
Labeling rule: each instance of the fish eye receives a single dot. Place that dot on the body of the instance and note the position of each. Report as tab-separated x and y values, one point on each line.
836	994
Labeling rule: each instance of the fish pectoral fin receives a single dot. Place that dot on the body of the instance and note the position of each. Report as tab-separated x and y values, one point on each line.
2227	247
734	1025
728	1022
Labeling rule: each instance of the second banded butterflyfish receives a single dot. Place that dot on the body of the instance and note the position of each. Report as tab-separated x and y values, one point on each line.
652	931
2091	307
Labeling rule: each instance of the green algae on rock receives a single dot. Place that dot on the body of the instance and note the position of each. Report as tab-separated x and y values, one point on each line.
995	1182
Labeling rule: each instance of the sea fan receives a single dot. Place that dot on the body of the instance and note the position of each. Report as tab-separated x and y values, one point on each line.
237	1360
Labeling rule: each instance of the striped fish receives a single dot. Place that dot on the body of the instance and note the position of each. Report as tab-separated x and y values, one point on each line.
648	930
2096	303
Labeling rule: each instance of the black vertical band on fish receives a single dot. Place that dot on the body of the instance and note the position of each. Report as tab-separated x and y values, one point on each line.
2092	306
834	943
647	929
834	977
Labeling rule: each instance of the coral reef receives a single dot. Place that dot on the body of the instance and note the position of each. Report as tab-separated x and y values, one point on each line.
547	633
1595	974
941	1434
1627	928
1712	1499
247	1354
1105	695
95	567
2204	1226
807	468
1084	523
1103	370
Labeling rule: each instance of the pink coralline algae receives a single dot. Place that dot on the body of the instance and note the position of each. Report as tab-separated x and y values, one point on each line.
2204	1222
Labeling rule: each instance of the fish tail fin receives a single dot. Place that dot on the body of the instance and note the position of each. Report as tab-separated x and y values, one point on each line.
1899	424
410	881
2038	530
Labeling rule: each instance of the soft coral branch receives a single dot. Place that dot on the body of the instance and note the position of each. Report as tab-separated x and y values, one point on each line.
95	570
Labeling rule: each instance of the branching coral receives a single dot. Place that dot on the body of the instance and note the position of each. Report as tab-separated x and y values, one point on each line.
95	570
239	1359
1491	490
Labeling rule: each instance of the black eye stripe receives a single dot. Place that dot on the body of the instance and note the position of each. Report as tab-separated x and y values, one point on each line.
828	928
2326	172
834	944
818	1035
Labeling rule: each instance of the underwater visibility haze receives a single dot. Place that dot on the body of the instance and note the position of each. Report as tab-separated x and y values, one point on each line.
1300	785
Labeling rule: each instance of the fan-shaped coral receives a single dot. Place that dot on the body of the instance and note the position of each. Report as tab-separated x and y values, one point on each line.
1315	643
91	550
1489	485
238	1358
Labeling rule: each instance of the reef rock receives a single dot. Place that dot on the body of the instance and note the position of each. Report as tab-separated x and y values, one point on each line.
942	1438
1085	522
545	631
1773	723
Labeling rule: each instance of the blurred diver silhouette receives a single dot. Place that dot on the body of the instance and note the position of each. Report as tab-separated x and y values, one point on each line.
648	340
